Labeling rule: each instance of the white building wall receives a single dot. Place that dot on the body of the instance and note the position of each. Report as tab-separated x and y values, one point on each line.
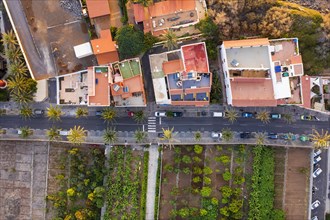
224	63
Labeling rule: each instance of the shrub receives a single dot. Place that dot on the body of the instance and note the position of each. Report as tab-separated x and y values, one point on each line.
196	179
198	149
197	159
206	191
168	168
224	159
184	212
226	175
186	170
197	170
186	159
207	180
130	41
207	171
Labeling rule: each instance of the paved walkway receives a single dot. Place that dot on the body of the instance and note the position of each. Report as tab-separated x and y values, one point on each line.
152	176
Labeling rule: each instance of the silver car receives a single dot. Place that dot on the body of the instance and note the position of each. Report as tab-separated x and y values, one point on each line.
317	172
315	204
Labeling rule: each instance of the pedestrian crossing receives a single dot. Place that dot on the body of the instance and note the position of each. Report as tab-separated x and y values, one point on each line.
152	124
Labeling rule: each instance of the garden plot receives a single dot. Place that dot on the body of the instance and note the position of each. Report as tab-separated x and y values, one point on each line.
126	184
202	182
23	172
75	182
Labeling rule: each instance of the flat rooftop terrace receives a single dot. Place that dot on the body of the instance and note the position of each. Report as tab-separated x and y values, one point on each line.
249	57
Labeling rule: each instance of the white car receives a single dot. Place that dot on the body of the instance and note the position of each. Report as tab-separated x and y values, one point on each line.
317	153
317	159
160	114
315	204
216	135
315	218
317	172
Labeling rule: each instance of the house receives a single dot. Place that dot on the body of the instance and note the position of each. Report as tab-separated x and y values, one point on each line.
182	77
169	14
104	48
262	72
99	14
118	84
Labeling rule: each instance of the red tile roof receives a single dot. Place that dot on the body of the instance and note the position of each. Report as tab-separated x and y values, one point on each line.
138	12
170	7
97	8
246	43
195	58
173	66
296	59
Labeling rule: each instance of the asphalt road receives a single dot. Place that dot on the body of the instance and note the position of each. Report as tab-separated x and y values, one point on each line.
320	183
179	124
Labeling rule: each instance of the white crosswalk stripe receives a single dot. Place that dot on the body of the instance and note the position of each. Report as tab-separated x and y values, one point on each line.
152	124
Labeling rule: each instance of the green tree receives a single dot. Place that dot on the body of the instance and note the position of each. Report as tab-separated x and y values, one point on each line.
149	41
260	138
216	90
226	191
53	134
108	115
288	118
227	134
145	3
198	136
110	136
54	113
198	149
14	55
140	136
25	132
10	39
129	41
81	112
208	28
22	89
186	159
26	111
77	135
231	114
226	175
263	116
139	116
168	136
171	40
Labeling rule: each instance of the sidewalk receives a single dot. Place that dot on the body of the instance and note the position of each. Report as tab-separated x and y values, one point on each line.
152	179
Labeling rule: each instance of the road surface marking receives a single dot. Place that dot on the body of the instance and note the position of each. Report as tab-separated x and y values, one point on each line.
152	124
160	120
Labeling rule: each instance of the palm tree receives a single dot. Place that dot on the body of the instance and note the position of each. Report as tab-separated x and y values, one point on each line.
170	40
16	84
227	134
26	111
139	117
321	140
18	68
25	132
54	113
263	116
108	115
77	135
198	136
140	136
260	138
110	136
53	134
231	114
81	112
9	39
288	118
14	54
168	136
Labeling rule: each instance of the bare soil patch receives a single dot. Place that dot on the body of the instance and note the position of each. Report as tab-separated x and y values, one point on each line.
297	184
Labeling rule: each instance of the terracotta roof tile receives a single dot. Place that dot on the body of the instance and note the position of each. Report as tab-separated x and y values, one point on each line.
246	43
173	66
97	8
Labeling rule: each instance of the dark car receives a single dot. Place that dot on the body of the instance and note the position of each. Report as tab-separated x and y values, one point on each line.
177	114
130	114
247	115
272	136
245	135
39	112
160	135
98	113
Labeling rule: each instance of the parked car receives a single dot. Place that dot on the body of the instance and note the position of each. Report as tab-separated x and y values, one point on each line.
64	132
306	117
216	135
247	115
245	135
161	135
287	137
272	136
304	138
38	112
315	218
317	159
317	172
218	114
315	204
275	116
177	114
160	114
317	153
130	114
